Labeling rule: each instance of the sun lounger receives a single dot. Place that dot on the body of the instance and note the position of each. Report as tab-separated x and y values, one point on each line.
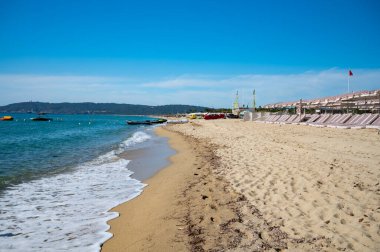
375	124
331	119
366	121
321	120
263	120
267	119
299	119
282	119
339	121
344	121
313	118
274	119
290	119
355	120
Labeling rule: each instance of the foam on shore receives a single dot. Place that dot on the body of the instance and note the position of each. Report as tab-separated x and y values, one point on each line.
68	211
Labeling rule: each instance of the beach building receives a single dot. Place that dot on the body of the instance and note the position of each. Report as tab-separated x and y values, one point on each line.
348	111
362	101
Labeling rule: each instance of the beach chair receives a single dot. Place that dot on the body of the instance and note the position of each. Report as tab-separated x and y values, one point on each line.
366	121
290	119
274	119
320	121
375	124
264	120
312	118
339	121
282	119
330	120
300	118
354	120
334	118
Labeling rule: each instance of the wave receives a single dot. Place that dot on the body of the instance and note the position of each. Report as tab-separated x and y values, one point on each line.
137	137
68	211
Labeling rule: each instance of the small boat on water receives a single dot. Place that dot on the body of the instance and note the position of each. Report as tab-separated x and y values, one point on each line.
42	119
147	122
139	122
158	121
6	118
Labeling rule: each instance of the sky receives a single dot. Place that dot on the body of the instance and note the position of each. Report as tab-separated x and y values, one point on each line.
196	52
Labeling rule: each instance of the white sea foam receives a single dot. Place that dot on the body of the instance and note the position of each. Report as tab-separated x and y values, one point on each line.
68	211
137	137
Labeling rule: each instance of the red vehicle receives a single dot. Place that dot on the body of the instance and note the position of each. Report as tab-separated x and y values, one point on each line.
214	116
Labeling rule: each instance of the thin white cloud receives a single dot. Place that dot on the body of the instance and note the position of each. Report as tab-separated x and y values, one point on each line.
212	90
278	87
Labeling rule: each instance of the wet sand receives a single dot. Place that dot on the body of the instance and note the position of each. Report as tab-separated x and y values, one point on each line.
151	221
148	159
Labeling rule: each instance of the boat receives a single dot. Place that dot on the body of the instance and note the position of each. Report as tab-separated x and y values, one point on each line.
6	118
232	116
158	121
147	122
213	116
42	119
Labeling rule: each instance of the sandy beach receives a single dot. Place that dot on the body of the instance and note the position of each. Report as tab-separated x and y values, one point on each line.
246	186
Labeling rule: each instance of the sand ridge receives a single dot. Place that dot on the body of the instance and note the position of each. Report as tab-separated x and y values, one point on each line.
312	183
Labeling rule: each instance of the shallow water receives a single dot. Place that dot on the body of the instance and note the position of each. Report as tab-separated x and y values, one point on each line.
60	178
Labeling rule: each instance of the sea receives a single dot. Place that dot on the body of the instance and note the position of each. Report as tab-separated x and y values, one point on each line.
59	179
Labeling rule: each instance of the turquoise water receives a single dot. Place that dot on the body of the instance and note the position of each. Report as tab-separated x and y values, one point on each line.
59	179
32	149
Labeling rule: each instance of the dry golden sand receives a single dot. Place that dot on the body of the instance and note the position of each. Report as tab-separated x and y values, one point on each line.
313	183
245	186
188	207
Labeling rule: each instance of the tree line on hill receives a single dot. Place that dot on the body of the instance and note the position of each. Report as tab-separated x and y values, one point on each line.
98	108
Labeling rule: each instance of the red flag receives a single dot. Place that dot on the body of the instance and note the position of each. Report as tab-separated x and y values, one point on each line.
350	73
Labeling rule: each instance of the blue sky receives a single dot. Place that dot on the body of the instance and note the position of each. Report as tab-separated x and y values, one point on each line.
188	52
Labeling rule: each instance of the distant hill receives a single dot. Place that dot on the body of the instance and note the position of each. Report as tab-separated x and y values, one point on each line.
98	108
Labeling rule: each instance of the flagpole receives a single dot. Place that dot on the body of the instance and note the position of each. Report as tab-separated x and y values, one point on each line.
348	84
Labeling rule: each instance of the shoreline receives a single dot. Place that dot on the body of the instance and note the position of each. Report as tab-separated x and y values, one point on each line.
149	157
136	229
243	186
185	207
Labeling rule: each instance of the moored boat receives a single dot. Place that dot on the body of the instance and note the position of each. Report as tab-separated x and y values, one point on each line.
213	116
139	122
42	119
148	122
158	121
6	118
